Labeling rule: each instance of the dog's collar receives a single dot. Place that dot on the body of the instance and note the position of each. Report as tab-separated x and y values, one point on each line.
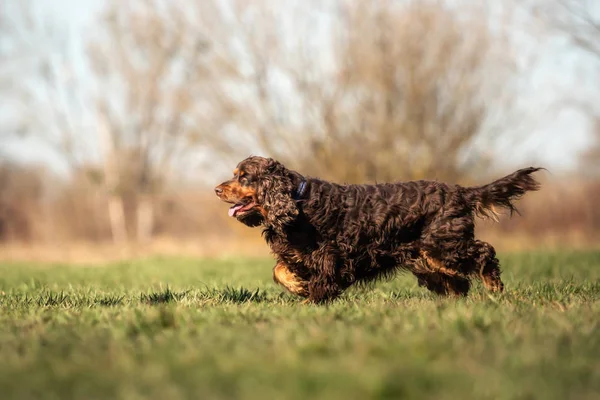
299	193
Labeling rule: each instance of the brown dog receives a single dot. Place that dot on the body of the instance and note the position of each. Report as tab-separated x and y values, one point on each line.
327	236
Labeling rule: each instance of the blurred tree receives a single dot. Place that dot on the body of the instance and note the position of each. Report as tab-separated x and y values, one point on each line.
580	20
21	192
158	76
580	23
134	104
47	94
352	90
370	90
591	157
18	46
149	65
585	32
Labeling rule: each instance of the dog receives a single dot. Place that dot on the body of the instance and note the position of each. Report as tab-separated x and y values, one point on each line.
327	237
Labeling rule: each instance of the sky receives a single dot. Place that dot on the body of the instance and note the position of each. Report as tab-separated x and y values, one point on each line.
554	132
75	16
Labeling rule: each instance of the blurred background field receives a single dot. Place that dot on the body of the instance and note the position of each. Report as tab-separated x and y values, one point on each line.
118	118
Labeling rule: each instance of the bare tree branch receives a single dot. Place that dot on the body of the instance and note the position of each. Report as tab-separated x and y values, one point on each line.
580	21
395	93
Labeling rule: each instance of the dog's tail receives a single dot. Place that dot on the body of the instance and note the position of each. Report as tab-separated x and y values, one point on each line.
502	193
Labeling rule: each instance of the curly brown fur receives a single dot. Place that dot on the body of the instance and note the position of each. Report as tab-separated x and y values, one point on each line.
327	237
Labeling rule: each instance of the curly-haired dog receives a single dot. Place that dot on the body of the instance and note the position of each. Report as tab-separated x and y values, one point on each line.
327	236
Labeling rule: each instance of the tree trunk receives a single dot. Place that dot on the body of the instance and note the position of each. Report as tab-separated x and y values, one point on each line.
116	215
145	218
116	209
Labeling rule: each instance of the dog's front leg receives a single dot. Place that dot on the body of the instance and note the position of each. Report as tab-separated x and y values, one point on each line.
284	276
325	285
323	289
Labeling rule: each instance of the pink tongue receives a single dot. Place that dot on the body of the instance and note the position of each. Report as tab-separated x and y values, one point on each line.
234	209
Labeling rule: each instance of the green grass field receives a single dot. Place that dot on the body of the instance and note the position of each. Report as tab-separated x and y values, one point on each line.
215	329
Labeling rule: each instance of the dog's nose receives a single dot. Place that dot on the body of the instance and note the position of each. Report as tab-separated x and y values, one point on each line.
218	190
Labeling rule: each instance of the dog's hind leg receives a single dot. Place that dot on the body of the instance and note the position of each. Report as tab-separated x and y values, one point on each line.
487	265
432	275
444	284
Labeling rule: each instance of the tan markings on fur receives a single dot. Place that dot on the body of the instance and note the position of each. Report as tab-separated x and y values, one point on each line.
491	279
235	192
421	267
235	171
241	191
493	284
296	256
286	278
262	210
437	266
487	211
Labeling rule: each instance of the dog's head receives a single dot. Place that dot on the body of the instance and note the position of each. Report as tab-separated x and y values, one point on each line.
262	191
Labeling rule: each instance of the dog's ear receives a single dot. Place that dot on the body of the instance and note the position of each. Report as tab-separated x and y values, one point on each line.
275	193
251	219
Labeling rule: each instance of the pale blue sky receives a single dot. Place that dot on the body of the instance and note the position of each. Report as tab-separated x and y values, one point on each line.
555	132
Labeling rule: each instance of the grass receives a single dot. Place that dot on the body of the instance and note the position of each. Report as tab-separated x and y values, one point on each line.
215	329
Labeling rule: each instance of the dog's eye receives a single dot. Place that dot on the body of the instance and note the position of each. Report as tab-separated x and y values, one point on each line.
244	180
